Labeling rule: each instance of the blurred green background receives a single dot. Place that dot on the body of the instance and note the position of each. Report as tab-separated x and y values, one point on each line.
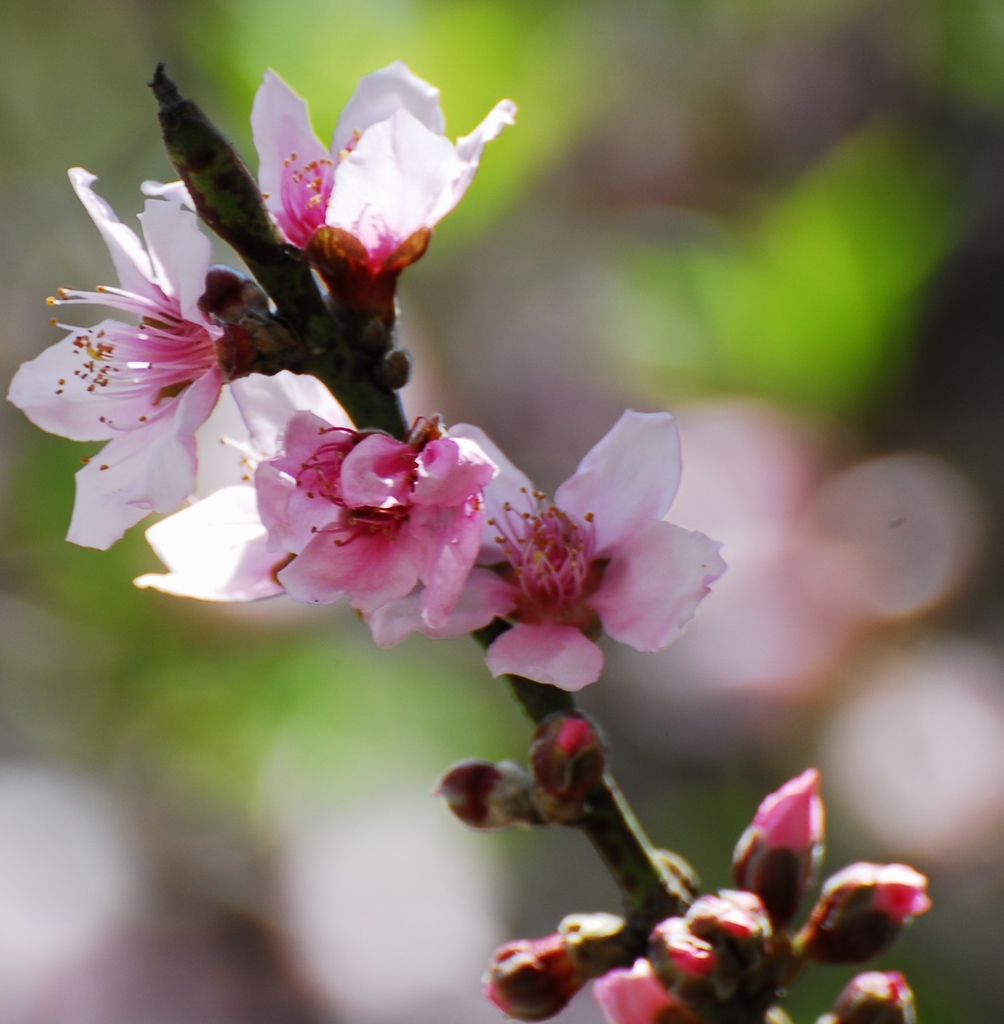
784	220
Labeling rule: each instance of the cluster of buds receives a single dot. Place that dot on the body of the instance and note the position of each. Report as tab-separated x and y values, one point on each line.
567	761
730	956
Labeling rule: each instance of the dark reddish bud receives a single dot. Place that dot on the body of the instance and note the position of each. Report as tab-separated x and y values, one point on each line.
568	755
779	854
533	979
861	910
394	369
874	998
489	796
230	295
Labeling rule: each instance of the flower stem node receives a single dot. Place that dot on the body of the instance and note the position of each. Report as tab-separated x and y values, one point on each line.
533	979
487	796
778	856
679	876
568	755
861	910
874	998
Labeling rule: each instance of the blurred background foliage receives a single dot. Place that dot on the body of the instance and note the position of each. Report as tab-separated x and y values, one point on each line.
783	219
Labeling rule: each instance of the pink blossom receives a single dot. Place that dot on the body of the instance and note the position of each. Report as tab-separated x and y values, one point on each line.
389	173
898	891
144	388
370	517
634	996
217	549
598	558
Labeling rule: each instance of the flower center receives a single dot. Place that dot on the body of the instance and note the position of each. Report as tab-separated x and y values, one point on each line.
305	189
552	561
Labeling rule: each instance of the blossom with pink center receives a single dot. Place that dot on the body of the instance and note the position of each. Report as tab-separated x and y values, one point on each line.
389	173
371	517
778	855
599	558
145	388
634	996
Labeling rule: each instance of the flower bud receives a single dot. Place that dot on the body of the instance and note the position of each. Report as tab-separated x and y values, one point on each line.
778	855
533	979
230	295
861	910
597	942
679	876
874	998
636	996
568	755
489	796
725	942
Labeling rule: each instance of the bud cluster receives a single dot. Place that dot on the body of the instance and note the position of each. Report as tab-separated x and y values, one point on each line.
732	955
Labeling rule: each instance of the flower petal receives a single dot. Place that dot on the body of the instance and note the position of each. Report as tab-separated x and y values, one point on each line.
175	191
559	655
450	471
131	262
469	150
392	182
215	550
180	253
281	128
448	539
379	95
633	996
378	473
148	468
627	479
486	596
654	583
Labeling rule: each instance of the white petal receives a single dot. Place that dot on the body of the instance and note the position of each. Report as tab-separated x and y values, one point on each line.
379	94
280	124
215	550
628	479
180	254
131	263
559	655
174	191
469	150
390	184
267	404
654	583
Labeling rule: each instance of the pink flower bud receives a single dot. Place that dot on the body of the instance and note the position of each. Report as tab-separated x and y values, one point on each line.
636	996
778	855
488	796
532	979
861	910
568	755
874	998
676	952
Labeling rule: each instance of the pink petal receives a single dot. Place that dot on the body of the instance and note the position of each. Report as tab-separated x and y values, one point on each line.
654	583
450	471
792	816
131	262
74	412
627	479
633	996
391	183
379	95
509	485
267	404
291	518
448	539
377	473
469	150
281	127
148	468
371	569
180	253
486	596
559	655
215	550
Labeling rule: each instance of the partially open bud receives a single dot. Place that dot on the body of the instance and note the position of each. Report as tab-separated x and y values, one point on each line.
861	910
724	944
636	996
874	998
489	796
568	755
533	979
778	855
